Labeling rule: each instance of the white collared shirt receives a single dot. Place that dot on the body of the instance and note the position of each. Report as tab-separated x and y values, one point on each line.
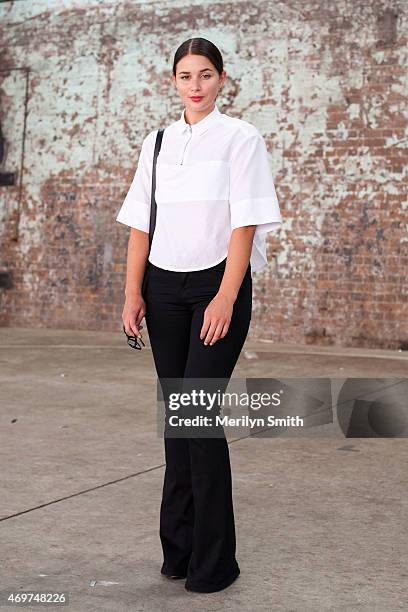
211	177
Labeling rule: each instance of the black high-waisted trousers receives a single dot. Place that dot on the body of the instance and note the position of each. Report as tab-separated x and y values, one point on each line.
197	529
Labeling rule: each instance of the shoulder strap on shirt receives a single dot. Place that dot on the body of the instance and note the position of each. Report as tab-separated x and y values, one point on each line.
153	205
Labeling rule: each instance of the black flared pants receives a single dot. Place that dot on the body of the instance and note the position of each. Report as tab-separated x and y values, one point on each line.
197	529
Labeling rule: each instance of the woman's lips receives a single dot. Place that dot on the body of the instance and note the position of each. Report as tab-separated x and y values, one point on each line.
196	98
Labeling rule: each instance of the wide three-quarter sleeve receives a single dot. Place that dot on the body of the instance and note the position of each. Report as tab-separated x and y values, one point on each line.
135	210
253	199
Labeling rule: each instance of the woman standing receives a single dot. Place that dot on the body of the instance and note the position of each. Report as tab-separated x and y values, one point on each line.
215	203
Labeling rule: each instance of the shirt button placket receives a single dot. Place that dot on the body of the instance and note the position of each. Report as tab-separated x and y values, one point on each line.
190	131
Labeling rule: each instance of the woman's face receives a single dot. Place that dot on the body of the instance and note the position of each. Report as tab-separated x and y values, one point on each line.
196	76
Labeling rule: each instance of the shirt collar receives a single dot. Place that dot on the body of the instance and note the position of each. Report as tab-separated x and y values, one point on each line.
201	126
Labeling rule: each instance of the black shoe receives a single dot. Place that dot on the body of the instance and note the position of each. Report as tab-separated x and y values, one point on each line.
175	577
210	589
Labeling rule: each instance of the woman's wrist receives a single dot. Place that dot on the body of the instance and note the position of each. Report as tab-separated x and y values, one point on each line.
231	296
134	292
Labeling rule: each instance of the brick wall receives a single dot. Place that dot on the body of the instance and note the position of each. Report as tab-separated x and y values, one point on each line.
81	84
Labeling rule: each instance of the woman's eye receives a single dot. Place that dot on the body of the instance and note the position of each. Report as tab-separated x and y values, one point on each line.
186	77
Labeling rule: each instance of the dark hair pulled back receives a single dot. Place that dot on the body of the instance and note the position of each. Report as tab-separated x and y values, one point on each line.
199	46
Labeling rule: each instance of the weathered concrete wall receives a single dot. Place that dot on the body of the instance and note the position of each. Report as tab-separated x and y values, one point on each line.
83	81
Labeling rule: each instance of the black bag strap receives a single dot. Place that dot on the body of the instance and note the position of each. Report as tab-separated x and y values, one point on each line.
153	205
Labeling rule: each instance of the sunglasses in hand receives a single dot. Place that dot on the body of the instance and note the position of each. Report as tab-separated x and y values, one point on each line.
133	341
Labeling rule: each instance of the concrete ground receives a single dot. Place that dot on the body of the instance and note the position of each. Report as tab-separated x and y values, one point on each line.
321	519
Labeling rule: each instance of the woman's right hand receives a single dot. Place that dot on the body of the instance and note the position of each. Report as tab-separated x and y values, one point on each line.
133	312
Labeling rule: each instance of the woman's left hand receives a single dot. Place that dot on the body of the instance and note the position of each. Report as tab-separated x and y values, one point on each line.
217	318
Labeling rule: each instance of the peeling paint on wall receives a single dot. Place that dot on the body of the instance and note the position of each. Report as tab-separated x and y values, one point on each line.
325	83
